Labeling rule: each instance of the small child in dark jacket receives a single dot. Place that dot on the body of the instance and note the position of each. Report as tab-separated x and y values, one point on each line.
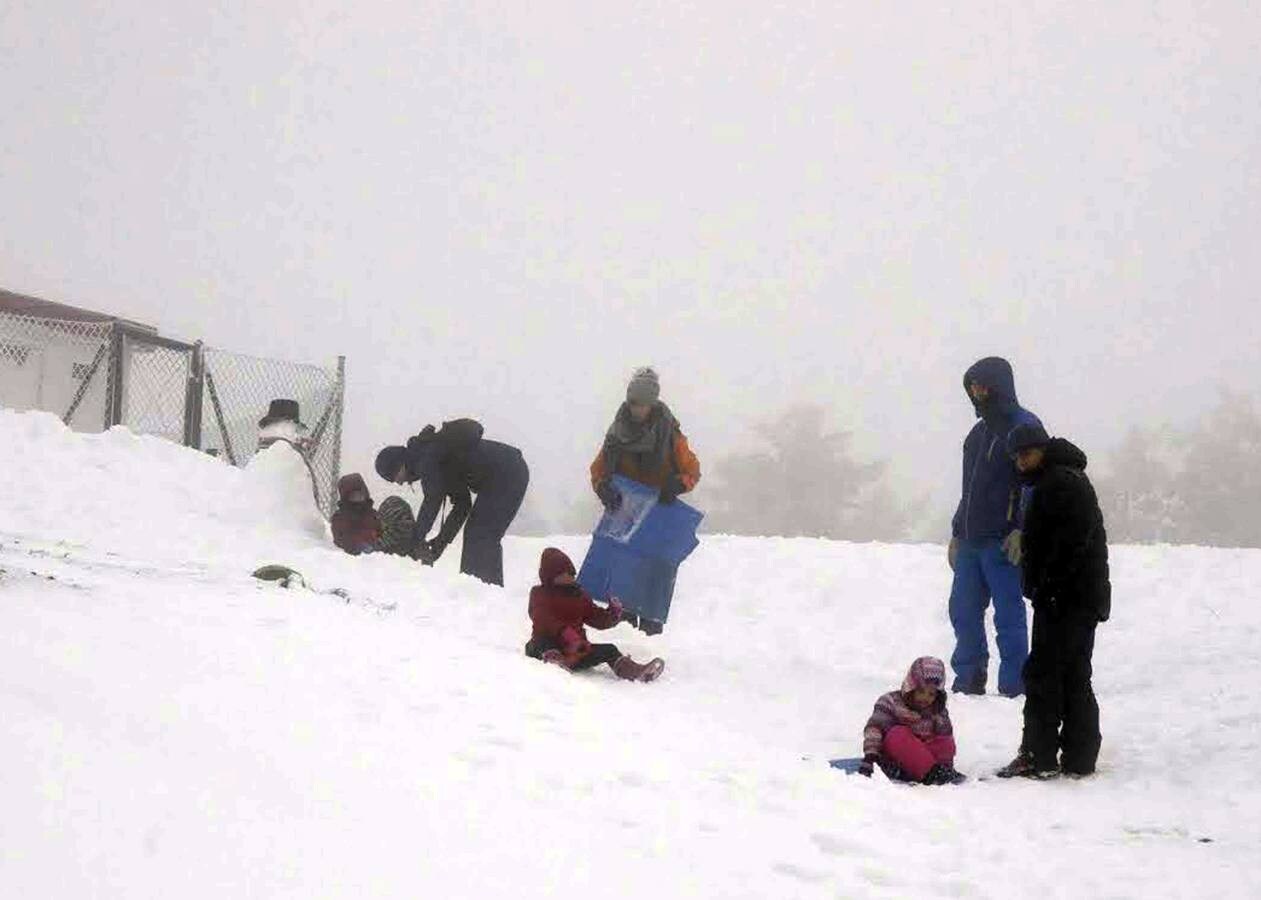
356	525
559	609
358	528
909	734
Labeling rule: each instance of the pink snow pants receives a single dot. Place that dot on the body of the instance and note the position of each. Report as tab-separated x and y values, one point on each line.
913	756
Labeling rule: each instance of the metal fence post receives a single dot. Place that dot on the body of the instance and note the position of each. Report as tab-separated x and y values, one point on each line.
217	407
193	397
117	345
340	400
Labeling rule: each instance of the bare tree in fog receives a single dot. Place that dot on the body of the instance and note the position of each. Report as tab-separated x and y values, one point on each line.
1137	496
1197	486
804	482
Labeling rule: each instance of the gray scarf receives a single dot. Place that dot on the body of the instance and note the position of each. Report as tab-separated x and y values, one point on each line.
651	441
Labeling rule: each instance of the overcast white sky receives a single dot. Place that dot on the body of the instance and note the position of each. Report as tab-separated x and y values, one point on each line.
500	210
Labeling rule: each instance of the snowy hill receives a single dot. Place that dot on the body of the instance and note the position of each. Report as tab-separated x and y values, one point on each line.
170	727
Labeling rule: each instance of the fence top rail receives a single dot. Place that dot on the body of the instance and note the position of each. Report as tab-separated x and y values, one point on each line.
79	326
146	337
272	360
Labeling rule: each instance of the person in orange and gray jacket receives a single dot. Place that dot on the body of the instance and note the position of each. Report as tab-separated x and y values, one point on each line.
646	444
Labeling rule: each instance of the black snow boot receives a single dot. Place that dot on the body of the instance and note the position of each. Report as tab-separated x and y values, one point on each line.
1023	766
943	774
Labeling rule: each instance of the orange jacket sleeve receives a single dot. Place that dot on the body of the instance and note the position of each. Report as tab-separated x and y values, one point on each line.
598	471
685	461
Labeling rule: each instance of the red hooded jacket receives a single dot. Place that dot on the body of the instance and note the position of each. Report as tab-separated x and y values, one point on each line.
559	613
356	526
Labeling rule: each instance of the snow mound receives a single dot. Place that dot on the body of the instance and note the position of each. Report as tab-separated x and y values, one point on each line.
171	727
125	492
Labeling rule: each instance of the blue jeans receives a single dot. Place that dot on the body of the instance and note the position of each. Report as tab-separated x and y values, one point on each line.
982	572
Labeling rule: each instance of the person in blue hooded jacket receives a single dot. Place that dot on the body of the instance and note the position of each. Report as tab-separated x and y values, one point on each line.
985	537
449	463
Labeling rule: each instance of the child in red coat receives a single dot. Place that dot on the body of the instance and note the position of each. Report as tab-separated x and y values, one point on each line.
559	609
356	525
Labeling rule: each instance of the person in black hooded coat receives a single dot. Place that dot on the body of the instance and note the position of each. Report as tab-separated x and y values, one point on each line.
449	463
1065	576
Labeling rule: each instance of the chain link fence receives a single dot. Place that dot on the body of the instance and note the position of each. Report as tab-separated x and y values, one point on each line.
98	374
63	367
238	391
155	376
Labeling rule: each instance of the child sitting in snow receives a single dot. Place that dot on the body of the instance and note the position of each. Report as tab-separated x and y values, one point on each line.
559	609
909	733
356	525
359	528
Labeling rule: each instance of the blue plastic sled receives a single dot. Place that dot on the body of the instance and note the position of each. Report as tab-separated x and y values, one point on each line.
849	765
635	552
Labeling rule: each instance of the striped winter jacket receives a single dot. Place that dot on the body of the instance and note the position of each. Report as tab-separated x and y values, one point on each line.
894	708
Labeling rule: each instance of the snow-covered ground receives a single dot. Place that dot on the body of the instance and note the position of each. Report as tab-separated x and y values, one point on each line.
170	727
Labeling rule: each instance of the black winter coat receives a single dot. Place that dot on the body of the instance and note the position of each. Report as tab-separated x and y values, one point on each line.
451	462
1065	545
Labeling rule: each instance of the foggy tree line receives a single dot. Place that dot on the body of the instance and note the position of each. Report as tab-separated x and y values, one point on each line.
1196	485
1200	484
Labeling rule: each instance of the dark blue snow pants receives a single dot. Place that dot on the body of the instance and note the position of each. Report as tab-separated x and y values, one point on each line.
493	511
982	573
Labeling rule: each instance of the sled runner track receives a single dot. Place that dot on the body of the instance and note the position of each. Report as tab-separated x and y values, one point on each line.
68	563
16	550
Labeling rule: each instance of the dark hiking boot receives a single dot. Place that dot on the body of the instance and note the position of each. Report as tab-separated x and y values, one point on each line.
1023	766
893	771
943	774
627	669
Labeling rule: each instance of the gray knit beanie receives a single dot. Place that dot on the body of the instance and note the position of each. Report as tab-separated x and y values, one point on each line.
644	387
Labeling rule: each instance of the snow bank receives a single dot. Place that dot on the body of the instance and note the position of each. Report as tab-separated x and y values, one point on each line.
174	728
127	492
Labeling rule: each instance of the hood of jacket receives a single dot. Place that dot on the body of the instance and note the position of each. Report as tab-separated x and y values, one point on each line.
554	562
927	671
1058	452
348	484
995	373
1061	452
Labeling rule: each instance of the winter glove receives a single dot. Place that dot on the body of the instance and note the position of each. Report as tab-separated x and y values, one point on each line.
1011	546
1043	598
868	765
429	551
952	552
609	495
671	489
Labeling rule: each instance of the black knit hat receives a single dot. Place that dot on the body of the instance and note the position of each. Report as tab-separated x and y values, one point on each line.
1026	435
281	411
389	460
